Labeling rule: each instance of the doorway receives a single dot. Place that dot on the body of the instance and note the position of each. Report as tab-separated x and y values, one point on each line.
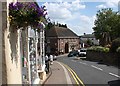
66	48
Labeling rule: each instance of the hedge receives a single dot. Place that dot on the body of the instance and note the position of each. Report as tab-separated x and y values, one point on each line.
98	49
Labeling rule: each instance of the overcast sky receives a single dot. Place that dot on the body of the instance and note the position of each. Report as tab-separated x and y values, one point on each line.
79	15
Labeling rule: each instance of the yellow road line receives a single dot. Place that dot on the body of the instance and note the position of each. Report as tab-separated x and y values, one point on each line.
74	74
78	78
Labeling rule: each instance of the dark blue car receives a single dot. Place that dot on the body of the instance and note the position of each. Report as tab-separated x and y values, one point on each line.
73	53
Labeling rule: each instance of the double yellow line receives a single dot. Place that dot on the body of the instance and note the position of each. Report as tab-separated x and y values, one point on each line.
74	75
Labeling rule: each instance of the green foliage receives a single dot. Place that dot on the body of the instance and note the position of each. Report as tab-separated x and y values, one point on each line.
98	49
115	45
89	42
49	25
106	49
118	50
107	26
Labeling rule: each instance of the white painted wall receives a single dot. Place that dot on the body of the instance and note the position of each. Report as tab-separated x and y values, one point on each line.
13	65
12	49
95	41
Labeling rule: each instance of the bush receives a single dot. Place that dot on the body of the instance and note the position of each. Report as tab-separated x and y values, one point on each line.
118	50
106	49
91	48
115	45
98	49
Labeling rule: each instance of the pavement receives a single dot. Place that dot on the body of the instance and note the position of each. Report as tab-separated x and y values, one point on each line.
58	75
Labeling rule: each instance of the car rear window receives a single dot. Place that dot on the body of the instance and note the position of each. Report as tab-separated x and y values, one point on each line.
82	50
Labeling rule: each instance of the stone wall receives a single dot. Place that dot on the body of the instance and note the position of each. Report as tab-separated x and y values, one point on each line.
106	58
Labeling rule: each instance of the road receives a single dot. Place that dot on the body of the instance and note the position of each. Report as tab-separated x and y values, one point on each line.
92	73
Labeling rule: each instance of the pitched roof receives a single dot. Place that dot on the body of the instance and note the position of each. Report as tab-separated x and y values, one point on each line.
51	32
87	36
60	32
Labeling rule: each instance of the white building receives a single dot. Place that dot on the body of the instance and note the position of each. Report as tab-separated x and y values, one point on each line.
88	37
12	52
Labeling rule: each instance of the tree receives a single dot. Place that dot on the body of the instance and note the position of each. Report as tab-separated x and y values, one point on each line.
115	44
49	25
116	27
89	42
106	26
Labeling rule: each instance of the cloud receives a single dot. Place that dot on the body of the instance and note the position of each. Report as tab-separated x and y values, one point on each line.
63	10
69	13
85	18
55	11
80	29
101	6
81	23
108	4
76	5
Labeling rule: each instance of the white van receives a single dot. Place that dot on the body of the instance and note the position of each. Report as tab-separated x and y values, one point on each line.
82	52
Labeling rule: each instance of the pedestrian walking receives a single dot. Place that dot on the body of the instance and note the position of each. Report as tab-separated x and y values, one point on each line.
47	64
51	59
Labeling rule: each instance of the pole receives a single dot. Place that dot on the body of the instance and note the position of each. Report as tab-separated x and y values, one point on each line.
29	70
36	50
36	41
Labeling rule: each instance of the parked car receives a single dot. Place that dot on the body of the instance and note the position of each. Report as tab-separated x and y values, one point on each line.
82	52
73	53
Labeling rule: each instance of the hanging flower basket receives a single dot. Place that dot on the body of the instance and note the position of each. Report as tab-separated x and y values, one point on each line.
26	14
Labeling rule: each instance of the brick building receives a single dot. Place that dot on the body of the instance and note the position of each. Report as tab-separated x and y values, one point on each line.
61	40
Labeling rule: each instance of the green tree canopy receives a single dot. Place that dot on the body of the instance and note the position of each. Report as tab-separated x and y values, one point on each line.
106	25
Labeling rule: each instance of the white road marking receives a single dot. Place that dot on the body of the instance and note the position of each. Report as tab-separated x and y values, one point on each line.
66	74
83	63
114	75
97	67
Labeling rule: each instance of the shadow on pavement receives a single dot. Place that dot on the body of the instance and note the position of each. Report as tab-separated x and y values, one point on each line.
101	62
114	83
